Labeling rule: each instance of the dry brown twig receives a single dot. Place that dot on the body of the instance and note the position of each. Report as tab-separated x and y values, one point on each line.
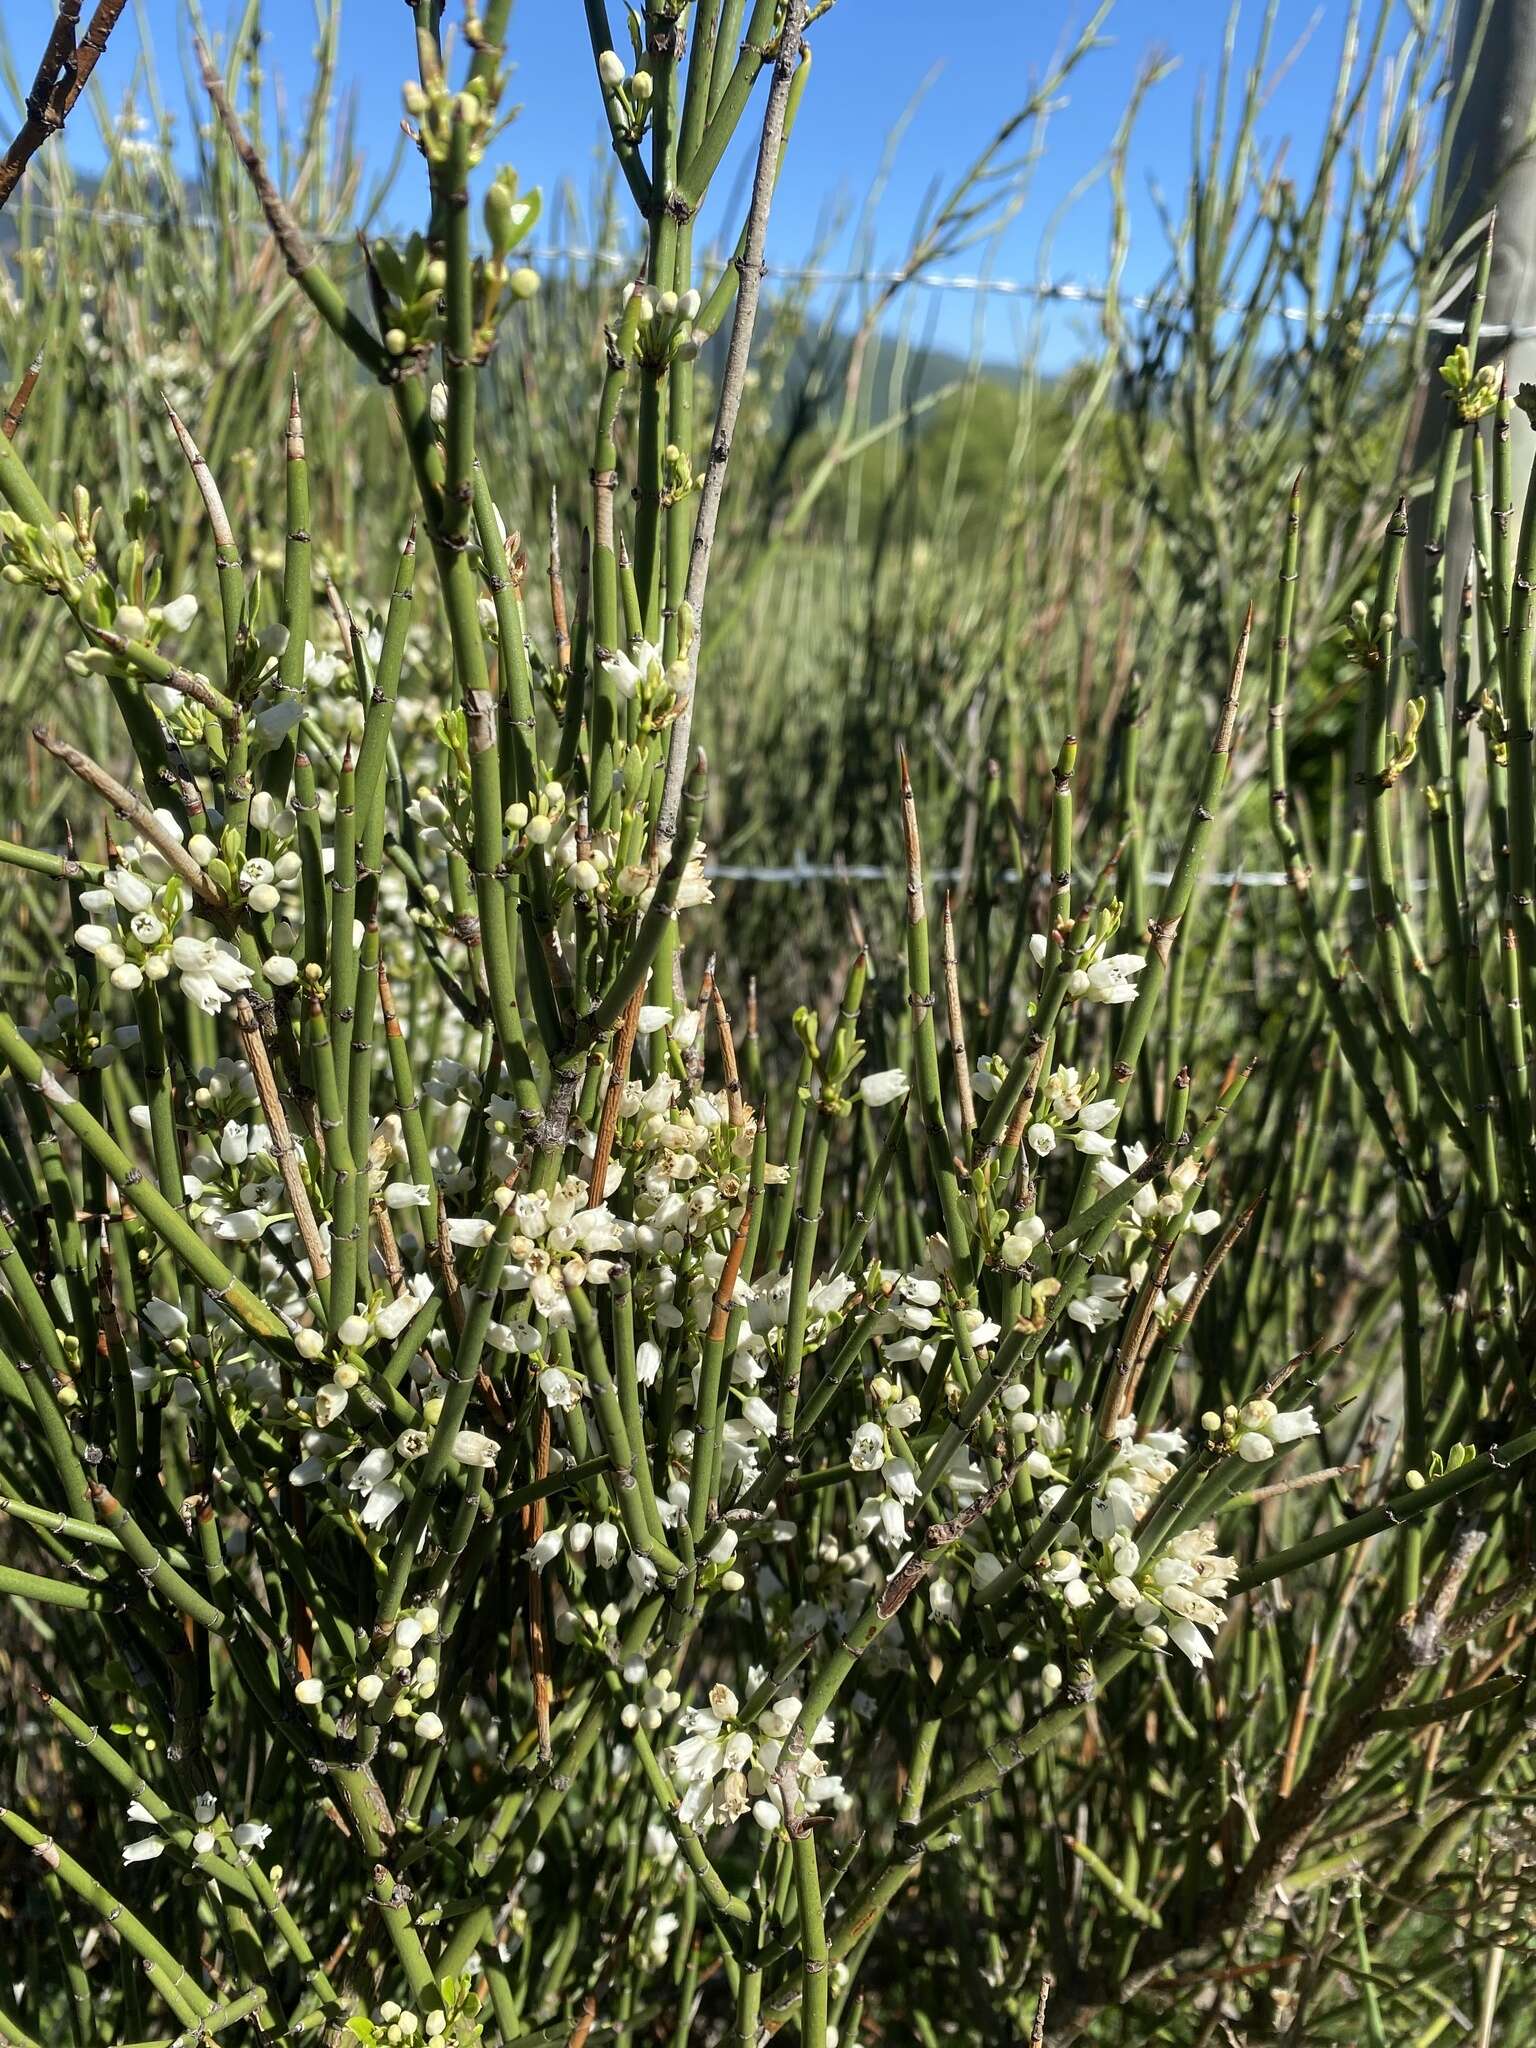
62	76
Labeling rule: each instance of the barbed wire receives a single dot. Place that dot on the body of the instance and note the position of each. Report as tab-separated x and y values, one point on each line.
1041	290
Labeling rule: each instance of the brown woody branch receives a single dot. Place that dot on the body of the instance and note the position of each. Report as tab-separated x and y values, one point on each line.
61	77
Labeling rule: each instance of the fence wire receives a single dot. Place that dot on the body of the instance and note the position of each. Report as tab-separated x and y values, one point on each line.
1041	290
800	874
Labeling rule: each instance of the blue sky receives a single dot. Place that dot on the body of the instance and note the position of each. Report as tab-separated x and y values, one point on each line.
968	63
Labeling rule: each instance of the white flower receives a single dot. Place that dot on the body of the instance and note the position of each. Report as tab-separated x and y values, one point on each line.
392	1318
131	892
830	1296
210	971
1190	1641
866	1447
381	1503
1291	1427
1111	980
279	718
330	1401
900	1478
1092	1144
469	1230
1097	1116
1091	1310
989	1076
629	673
559	1388
235	1143
371	1478
471	1448
165	1319
145	1850
876	1090
241	1226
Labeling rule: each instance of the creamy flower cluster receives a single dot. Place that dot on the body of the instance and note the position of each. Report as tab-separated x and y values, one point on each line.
139	927
395	1692
725	1765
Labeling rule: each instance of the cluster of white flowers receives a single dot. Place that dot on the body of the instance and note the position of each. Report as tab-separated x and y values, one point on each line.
1257	1429
725	1765
1180	1593
675	1192
137	927
332	1451
657	1692
639	671
1181	1590
210	1831
580	1537
1152	1204
398	2026
638	882
1067	1111
884	1514
397	1690
133	937
1100	976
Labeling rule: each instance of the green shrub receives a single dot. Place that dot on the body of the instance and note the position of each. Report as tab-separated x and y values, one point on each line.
530	1521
